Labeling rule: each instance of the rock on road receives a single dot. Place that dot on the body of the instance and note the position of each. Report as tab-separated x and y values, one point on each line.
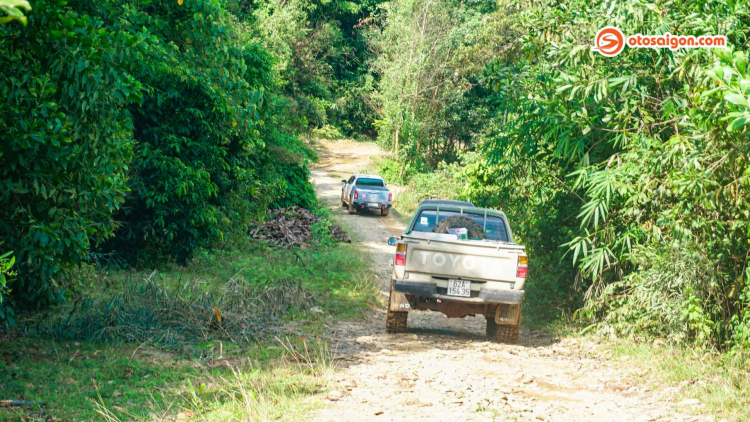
443	369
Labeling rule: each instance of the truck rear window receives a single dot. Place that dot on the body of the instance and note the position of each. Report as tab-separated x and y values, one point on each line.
493	230
370	182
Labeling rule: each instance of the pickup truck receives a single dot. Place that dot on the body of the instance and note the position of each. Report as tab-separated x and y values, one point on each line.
366	192
459	260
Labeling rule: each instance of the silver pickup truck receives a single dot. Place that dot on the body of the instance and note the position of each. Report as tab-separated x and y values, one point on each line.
366	192
460	260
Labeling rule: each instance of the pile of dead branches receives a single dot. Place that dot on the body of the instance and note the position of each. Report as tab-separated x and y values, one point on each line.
178	317
292	227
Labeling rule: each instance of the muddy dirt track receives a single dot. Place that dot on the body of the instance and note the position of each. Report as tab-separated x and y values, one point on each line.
444	370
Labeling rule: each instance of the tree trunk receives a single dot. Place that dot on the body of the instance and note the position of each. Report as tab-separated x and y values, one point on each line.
396	140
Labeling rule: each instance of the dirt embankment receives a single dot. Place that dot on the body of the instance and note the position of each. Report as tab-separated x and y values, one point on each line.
444	369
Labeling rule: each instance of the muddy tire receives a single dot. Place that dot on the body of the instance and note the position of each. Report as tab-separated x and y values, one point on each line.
473	229
352	209
497	333
385	212
395	322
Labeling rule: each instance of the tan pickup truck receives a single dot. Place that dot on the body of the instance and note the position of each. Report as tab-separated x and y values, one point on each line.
460	260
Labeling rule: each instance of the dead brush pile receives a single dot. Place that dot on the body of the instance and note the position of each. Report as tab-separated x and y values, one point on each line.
178	317
293	226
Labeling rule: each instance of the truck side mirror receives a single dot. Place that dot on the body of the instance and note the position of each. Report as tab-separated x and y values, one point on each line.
343	180
392	241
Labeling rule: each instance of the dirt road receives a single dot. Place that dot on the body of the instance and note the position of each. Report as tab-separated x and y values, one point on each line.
444	369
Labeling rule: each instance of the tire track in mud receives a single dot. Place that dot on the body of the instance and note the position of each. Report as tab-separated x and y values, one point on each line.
444	369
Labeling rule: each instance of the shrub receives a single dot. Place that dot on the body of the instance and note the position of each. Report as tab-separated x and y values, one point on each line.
635	166
143	129
195	130
6	265
440	184
67	141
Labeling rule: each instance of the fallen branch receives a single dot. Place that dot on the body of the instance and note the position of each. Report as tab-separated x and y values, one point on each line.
9	403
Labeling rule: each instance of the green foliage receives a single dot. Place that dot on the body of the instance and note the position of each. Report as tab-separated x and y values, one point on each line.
431	106
67	144
625	177
396	172
636	164
6	270
141	130
12	10
416	187
196	130
322	58
327	132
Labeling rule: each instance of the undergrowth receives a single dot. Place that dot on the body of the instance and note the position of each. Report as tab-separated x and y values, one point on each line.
271	380
222	295
233	334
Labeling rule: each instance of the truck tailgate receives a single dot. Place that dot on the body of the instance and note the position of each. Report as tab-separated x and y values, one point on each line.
370	195
471	260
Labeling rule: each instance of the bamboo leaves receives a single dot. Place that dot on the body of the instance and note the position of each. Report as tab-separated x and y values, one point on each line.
12	10
640	162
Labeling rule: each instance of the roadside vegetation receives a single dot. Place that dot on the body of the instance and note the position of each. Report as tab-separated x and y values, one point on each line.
711	383
232	334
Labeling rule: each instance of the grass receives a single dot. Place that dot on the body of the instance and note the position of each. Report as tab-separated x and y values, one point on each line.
180	360
86	381
721	382
229	296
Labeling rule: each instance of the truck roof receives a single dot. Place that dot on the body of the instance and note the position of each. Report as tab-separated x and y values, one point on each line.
446	202
459	208
369	176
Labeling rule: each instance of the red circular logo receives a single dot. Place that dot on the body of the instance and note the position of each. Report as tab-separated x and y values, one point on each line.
609	41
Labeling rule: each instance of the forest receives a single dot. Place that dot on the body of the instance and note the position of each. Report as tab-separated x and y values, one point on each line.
143	132
627	176
147	144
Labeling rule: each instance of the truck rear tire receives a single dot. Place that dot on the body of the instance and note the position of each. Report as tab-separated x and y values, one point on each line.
385	212
352	209
395	322
507	334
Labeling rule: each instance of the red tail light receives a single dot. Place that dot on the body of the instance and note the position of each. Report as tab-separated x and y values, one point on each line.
356	194
401	254
522	269
390	197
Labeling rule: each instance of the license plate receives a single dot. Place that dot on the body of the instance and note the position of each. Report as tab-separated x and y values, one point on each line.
373	205
459	288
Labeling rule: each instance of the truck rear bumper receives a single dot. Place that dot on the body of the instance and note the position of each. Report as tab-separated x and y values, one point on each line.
429	290
371	205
